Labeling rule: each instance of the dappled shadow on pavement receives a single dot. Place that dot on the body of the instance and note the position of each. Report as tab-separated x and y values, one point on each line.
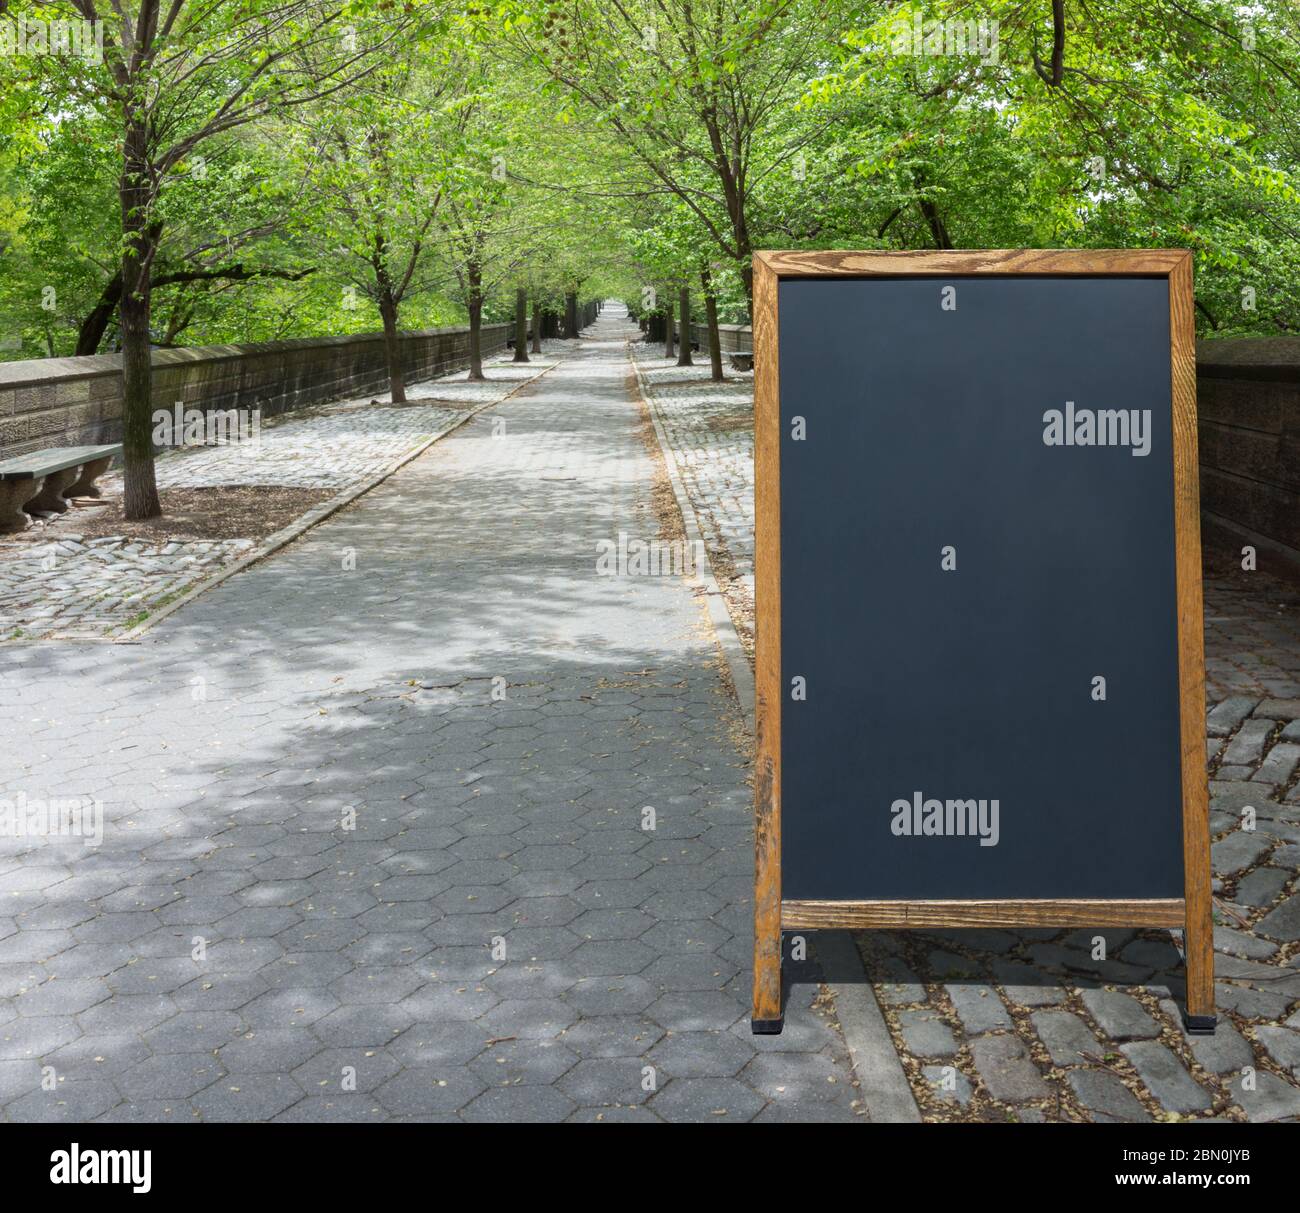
421	818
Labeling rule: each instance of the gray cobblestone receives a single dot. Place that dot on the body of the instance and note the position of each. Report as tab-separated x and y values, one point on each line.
1068	1039
1224	1052
1267	1097
1282	1045
948	1083
1242	943
979	1007
1004	1065
926	1035
1262	886
1120	1016
1280	764
1166	1077
1226	716
1279	709
1247	746
1284	922
1106	1097
1248	1002
709	427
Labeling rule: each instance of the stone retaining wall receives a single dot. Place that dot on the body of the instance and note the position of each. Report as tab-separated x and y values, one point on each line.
1248	402
78	401
733	338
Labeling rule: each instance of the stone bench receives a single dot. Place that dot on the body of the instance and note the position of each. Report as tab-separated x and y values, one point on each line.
41	481
742	360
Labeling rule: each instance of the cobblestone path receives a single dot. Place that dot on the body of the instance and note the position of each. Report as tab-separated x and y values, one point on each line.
65	586
377	820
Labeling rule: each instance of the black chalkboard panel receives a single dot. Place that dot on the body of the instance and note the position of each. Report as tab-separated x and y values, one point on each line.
924	430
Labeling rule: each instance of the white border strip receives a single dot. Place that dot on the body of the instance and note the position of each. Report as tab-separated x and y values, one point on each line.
733	652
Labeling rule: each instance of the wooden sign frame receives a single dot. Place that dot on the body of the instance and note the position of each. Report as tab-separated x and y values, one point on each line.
772	915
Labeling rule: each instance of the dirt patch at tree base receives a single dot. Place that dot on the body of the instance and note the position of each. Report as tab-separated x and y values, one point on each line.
224	512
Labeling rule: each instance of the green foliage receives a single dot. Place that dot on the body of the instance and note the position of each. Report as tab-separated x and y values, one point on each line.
604	149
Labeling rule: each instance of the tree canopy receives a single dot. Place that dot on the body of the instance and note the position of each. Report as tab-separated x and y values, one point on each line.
234	172
298	156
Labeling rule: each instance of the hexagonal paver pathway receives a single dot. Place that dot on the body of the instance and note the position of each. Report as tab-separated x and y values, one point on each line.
423	818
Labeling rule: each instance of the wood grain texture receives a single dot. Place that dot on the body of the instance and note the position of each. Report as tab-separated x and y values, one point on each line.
811	915
767	649
1199	938
1096	262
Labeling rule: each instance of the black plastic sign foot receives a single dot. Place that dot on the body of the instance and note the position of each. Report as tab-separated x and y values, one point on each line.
767	1027
1200	1025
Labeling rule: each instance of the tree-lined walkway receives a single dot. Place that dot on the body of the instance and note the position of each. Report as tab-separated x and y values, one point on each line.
422	817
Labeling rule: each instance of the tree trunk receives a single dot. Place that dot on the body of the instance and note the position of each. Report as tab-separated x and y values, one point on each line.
392	347
179	319
668	327
938	229
711	314
475	321
140	488
933	218
684	346
571	315
96	323
746	270
537	326
521	325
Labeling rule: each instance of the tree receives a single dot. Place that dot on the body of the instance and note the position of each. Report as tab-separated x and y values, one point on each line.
373	157
175	75
1119	122
220	227
490	220
703	96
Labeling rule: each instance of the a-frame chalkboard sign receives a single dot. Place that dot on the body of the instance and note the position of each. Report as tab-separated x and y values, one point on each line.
980	670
